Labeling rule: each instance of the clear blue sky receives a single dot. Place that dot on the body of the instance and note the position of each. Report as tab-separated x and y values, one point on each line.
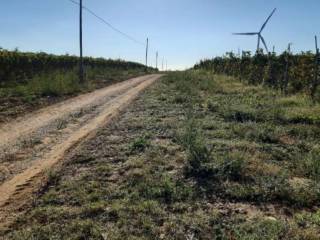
183	31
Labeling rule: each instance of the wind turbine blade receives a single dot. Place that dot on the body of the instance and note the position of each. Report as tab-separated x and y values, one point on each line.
265	23
264	43
249	33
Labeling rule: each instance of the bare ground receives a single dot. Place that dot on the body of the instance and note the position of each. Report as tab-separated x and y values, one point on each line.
130	181
32	144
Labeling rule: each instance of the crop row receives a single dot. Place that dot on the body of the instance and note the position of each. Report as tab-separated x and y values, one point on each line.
290	73
19	67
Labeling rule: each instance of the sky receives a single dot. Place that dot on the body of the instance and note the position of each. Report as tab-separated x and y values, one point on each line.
182	31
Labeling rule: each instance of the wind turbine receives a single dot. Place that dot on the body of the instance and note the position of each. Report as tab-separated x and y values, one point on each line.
260	37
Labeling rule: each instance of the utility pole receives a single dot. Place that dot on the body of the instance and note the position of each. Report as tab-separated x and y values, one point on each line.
157	60
166	65
316	70
162	64
147	49
81	78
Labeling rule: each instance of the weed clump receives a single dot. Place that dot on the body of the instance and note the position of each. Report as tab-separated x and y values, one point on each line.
139	145
309	165
239	115
203	166
198	153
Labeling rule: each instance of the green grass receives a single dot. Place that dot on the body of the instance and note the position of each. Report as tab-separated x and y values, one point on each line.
198	156
255	125
17	98
139	144
60	83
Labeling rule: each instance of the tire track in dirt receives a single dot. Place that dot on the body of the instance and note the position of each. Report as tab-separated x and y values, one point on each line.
17	191
11	132
27	138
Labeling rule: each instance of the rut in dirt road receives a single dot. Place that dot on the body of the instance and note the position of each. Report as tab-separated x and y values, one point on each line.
49	140
30	136
13	132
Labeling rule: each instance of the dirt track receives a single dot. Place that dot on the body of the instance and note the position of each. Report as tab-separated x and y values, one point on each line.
32	144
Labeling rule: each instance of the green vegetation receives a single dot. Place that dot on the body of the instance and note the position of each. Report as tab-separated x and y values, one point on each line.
198	156
287	72
60	83
20	67
29	80
140	144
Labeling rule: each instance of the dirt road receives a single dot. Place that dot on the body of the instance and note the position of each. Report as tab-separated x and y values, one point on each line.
32	144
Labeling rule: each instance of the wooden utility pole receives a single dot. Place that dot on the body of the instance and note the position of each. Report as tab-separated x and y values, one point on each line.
81	78
162	64
316	70
147	49
157	60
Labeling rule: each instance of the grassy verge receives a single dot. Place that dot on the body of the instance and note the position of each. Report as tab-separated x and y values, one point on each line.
197	156
48	88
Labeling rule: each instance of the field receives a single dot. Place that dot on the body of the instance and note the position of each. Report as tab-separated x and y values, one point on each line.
197	156
286	72
29	81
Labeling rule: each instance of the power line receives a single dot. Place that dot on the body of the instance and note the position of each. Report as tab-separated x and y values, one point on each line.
109	24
